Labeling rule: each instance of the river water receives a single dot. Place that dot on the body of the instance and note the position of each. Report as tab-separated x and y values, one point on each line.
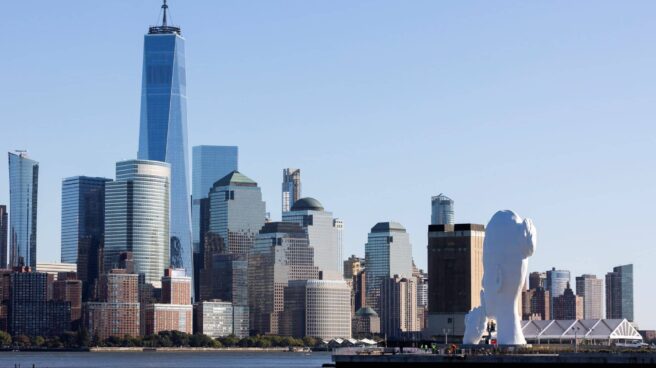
163	360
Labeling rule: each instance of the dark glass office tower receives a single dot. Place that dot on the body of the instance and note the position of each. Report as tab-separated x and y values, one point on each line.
83	226
23	193
163	131
619	293
3	236
209	164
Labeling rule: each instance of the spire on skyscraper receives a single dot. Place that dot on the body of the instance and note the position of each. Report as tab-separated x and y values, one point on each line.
164	9
164	28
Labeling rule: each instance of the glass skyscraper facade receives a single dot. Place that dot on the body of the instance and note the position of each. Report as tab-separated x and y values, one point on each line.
291	188
82	215
163	130
324	235
237	212
442	212
23	193
137	217
209	164
557	281
619	293
388	252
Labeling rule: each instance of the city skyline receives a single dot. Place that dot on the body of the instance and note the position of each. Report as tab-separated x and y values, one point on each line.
567	217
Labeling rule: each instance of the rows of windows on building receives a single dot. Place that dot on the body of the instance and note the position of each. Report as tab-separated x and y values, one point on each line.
135	248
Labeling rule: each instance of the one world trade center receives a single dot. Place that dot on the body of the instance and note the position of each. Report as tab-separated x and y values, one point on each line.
163	129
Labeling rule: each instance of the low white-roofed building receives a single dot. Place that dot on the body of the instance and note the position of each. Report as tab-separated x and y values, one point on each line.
593	331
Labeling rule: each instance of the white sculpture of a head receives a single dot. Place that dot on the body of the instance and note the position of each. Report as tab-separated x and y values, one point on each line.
509	241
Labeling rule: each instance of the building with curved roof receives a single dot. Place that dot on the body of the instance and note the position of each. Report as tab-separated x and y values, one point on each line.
307	204
594	331
324	235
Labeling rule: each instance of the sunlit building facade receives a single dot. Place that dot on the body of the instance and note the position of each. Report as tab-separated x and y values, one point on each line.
591	289
388	252
23	194
291	188
442	210
323	233
137	217
281	254
163	129
237	212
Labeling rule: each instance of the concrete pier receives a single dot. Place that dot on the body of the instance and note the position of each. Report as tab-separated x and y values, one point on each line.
435	360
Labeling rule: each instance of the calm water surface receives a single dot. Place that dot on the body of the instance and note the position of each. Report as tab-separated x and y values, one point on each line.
163	360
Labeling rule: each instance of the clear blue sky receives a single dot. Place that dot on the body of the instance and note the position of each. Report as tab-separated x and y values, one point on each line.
546	108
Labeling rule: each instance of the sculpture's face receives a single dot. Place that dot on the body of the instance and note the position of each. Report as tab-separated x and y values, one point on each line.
509	240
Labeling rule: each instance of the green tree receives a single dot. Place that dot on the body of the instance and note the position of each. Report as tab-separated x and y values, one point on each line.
5	339
38	341
310	341
229	341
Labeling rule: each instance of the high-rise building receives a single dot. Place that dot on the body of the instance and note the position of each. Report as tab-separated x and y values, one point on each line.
117	313
237	212
83	225
557	281
591	289
536	304
31	310
352	266
67	288
291	188
619	293
175	311
163	130
359	286
281	253
3	236
388	252
176	287
5	296
137	217
209	164
323	233
318	308
398	306
442	212
366	322
455	271
226	279
82	214
537	280
23	195
213	318
568	306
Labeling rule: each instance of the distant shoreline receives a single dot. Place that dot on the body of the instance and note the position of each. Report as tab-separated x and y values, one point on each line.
141	349
192	350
